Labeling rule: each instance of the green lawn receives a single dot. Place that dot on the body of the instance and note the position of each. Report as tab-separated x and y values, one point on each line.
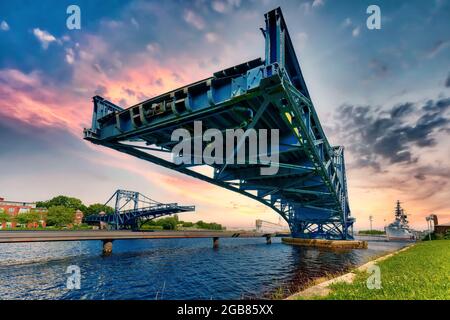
371	232
421	272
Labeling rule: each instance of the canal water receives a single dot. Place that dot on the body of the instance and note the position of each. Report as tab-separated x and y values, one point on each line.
171	268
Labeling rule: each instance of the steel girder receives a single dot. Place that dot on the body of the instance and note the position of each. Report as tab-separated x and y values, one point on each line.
310	189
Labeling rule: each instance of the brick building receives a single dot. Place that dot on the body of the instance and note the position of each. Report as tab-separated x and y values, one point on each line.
15	208
442	228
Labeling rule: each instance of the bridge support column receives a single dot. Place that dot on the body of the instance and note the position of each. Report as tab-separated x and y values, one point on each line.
107	247
268	239
215	242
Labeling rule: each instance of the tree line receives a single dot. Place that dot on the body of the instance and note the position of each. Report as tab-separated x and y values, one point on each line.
172	223
61	209
60	212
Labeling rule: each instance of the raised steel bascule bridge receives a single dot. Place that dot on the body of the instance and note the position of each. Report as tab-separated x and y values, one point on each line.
132	209
309	190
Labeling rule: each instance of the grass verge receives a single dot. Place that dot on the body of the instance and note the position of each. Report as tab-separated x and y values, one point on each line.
419	273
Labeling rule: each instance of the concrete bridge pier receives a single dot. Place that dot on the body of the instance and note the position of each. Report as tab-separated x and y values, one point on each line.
215	242
268	239
107	247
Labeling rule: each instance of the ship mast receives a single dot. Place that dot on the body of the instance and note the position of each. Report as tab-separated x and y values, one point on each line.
404	217
400	214
398	211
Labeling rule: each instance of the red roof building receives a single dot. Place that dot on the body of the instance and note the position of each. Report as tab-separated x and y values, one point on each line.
14	208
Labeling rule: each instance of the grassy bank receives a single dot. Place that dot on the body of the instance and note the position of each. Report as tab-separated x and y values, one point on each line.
421	272
371	232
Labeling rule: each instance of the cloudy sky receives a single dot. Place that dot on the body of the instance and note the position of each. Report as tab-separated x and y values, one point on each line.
383	94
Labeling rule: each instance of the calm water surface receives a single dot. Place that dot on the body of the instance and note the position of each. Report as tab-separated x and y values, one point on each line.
170	268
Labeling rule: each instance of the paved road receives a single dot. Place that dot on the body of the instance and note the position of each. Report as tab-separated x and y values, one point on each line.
42	236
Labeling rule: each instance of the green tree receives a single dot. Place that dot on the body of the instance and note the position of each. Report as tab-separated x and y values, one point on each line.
34	216
97	208
187	224
68	202
214	226
4	217
150	222
28	217
210	226
60	216
200	224
169	223
22	218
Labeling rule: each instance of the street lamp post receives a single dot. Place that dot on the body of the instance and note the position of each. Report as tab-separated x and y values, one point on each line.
429	230
429	222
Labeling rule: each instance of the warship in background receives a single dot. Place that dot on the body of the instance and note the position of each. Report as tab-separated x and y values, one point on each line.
399	229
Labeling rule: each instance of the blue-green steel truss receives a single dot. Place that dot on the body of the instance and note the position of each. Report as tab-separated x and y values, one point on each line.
132	209
310	189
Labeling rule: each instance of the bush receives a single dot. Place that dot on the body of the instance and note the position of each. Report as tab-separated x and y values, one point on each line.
4	217
96	208
83	226
169	223
28	217
372	232
437	236
187	224
60	216
210	226
151	227
447	235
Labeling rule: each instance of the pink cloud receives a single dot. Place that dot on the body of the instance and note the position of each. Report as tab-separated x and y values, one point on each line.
25	97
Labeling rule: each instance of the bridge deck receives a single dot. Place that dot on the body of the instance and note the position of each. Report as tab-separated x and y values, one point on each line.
46	236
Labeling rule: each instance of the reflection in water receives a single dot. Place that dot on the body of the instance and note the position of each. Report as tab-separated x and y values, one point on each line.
169	268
